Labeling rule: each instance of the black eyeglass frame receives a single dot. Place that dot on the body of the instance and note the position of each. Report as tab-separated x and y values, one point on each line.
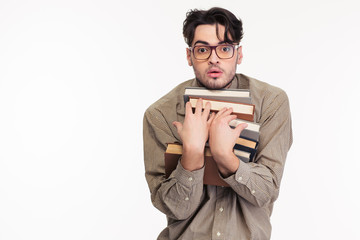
214	48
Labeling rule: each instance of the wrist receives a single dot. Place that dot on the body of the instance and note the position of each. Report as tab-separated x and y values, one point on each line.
193	149
227	164
221	153
192	158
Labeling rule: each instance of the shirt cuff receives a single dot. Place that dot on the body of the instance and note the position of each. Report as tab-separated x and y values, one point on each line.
188	178
240	176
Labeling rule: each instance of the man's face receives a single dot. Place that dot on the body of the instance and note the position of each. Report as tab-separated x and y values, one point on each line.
213	73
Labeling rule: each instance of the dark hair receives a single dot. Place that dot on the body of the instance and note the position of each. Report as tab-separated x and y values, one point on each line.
216	15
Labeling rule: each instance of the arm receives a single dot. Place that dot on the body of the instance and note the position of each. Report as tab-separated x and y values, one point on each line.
258	182
180	194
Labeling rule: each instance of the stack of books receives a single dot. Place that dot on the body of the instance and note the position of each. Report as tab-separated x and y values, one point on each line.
245	148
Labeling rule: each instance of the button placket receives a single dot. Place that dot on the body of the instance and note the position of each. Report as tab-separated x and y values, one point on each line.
219	225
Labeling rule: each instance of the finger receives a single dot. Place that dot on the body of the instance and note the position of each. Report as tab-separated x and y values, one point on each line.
228	111
188	109
240	127
199	106
219	113
207	110
224	112
178	125
229	118
212	117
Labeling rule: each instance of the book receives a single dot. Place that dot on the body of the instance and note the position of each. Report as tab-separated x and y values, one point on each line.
251	132
242	155
241	142
220	92
243	111
244	145
211	171
246	142
238	99
249	153
228	95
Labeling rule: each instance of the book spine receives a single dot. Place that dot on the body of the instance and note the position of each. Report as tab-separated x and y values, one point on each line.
243	148
247	117
246	100
250	135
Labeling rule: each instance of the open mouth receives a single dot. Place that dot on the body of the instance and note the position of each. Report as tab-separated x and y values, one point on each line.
214	73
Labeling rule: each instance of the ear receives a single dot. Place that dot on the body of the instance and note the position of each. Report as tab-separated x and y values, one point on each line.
240	55
188	56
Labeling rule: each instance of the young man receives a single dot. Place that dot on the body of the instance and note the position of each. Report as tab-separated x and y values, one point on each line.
198	211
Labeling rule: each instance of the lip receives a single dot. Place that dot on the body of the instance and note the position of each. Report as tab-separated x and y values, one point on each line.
214	72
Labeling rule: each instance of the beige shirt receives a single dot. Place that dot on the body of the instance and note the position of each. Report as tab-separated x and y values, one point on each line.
198	211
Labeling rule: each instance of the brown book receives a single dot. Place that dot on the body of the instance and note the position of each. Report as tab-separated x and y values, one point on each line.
241	110
211	174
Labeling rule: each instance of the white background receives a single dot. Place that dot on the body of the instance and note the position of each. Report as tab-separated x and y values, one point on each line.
76	77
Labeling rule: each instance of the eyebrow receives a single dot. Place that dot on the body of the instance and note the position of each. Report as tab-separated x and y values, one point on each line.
206	43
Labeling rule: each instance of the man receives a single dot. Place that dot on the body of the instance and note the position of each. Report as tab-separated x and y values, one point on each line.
198	211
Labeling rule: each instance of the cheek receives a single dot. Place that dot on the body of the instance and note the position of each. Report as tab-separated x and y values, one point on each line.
231	67
199	68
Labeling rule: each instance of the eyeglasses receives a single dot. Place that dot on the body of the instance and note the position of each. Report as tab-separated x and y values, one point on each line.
223	51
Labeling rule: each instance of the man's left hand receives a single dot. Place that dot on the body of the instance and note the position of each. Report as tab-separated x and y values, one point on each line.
222	139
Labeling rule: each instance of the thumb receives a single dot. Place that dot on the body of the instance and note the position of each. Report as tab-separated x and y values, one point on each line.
240	127
178	125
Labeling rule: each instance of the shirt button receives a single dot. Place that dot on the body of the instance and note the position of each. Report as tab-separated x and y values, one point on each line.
218	234
253	191
239	178
221	209
190	179
186	199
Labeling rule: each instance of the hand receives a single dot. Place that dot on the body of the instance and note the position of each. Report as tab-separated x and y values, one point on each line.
194	134
222	139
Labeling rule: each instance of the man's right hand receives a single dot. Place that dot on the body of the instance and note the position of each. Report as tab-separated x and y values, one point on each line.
194	133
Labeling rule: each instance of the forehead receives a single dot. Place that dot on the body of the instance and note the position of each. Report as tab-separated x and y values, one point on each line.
207	33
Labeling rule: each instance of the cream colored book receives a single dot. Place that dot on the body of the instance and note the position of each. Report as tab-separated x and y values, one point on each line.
241	110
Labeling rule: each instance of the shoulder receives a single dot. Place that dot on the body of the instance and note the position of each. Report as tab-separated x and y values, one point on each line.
262	91
160	115
266	97
170	103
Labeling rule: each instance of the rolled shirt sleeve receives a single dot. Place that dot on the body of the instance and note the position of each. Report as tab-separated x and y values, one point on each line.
258	182
179	195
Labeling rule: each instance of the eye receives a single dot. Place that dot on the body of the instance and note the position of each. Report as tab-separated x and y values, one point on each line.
202	50
226	48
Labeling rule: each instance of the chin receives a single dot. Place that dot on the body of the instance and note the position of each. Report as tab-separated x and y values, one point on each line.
215	83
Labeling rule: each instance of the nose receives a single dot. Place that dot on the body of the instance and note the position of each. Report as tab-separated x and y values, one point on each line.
213	59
